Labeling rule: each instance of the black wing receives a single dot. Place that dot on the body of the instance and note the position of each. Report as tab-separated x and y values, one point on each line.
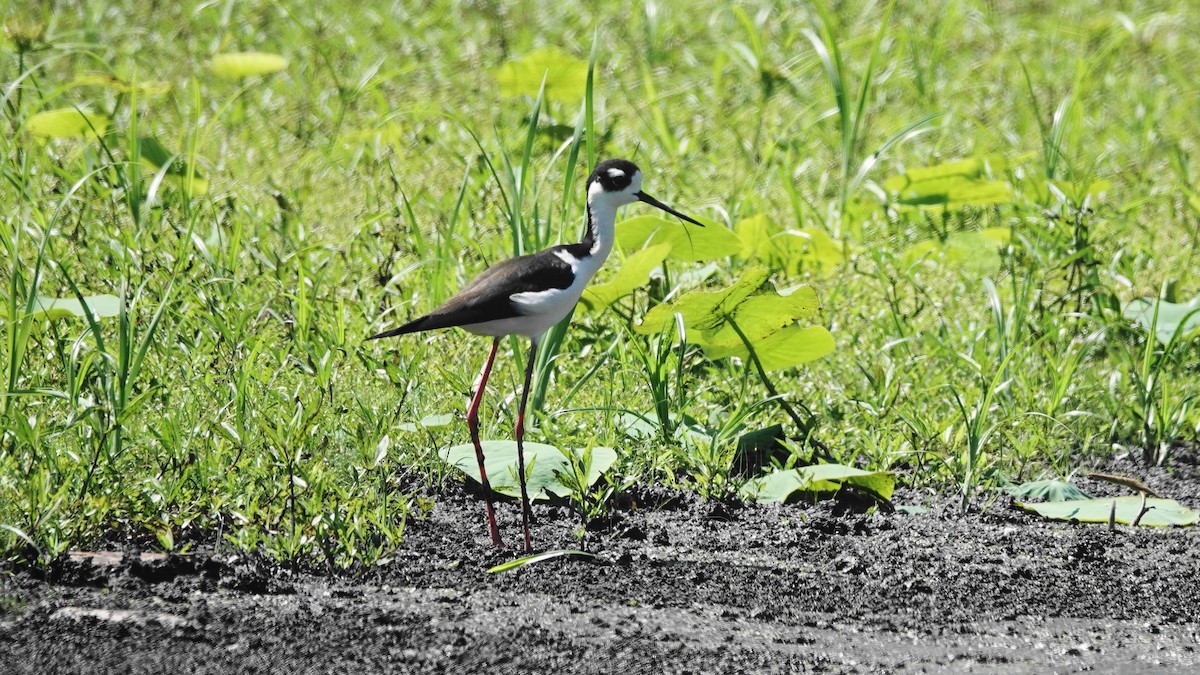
486	298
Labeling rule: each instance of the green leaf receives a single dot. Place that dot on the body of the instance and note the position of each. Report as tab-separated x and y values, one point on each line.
1051	490
539	557
704	310
542	463
786	348
973	168
952	185
1171	316
634	273
759	316
565	75
974	250
778	486
766	242
1161	513
155	156
66	123
53	309
246	64
689	243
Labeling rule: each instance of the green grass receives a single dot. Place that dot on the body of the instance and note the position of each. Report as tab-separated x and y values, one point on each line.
232	399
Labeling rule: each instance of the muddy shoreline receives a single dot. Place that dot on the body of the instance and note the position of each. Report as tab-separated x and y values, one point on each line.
678	586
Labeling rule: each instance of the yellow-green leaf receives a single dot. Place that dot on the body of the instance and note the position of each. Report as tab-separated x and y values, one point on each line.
634	273
565	75
704	310
786	348
689	243
246	64
759	316
66	123
822	478
974	250
970	169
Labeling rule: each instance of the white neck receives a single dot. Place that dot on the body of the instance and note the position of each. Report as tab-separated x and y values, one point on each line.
602	221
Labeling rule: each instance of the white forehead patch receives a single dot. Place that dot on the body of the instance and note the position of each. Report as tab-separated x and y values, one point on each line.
615	173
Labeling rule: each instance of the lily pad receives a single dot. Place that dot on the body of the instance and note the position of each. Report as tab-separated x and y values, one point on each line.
1160	513
565	75
542	464
66	123
1172	316
54	309
246	64
689	243
778	486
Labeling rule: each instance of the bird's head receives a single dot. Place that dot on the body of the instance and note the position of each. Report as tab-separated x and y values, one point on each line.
617	182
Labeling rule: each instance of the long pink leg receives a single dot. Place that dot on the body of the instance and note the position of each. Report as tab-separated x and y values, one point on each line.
473	424
519	433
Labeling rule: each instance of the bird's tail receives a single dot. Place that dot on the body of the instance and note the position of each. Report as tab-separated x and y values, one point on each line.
410	327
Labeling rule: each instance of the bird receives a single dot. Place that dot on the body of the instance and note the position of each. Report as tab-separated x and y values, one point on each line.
527	295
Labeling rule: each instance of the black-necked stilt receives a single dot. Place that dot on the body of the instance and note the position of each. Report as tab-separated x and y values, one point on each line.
529	294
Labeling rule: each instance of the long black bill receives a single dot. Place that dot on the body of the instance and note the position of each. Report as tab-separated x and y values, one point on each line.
642	196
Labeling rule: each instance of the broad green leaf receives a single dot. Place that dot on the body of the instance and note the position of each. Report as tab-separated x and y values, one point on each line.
975	250
766	242
539	557
952	185
757	236
786	348
1161	513
565	75
953	193
689	243
147	88
1171	316
759	316
542	463
53	309
246	64
704	310
66	123
155	156
814	248
974	168
1051	490
634	273
778	486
